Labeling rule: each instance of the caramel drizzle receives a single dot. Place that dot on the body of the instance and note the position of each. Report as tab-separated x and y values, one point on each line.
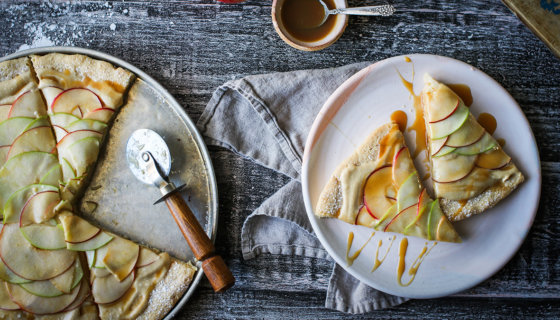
415	265
418	125
350	259
378	262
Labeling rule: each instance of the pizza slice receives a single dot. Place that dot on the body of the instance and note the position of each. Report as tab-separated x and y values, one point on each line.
378	187
128	281
470	170
82	96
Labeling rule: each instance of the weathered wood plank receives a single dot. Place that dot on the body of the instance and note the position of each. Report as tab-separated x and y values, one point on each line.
191	47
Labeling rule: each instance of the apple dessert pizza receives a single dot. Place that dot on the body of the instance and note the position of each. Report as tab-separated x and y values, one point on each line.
54	264
378	187
470	170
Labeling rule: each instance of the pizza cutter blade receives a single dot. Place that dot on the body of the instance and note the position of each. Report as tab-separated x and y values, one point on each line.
150	161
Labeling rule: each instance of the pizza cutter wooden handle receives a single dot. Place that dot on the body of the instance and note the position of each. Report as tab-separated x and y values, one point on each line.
214	267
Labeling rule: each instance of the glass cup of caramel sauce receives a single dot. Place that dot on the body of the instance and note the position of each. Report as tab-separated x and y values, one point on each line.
298	22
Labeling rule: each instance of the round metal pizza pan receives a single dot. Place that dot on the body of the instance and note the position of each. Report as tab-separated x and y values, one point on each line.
123	204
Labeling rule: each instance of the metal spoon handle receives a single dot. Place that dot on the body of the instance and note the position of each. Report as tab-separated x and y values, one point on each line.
382	10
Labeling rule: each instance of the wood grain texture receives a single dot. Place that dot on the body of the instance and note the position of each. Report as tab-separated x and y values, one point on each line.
191	47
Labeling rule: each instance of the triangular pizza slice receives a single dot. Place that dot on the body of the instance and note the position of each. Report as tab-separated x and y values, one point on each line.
470	170
82	96
378	187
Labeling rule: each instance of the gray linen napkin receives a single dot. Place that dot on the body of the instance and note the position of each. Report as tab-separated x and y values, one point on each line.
266	118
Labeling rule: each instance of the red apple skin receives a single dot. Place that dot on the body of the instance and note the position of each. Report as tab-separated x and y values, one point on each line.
463	177
13	103
13	142
58	96
364	196
395	217
76	242
443	145
470	144
58	144
29	201
449	115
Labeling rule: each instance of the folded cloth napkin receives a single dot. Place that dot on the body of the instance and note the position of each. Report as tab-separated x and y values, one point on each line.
266	118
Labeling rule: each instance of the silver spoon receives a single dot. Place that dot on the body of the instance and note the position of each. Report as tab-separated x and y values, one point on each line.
380	10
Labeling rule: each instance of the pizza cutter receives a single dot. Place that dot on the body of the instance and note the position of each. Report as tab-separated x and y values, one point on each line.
150	161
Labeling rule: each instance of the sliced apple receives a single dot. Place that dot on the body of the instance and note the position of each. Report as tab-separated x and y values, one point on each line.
452	168
364	218
50	93
110	289
402	166
439	227
486	143
437	145
36	139
100	273
408	192
43	236
72	137
121	257
42	288
99	255
52	177
146	257
5	301
422	207
13	178
83	294
63	120
4	111
7	275
69	279
87	124
39	207
67	171
91	256
29	104
12	128
39	305
76	229
59	132
28	262
446	102
401	220
83	153
493	159
96	242
375	191
467	135
444	151
76	101
16	202
101	114
440	130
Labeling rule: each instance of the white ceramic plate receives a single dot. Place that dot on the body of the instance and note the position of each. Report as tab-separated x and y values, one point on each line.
366	101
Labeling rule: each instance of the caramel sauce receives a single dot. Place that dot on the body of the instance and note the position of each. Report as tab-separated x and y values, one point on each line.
415	265
407	59
350	259
418	125
302	19
386	145
378	261
502	142
463	91
400	118
488	121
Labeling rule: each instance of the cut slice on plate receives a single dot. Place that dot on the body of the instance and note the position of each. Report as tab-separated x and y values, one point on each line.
470	170
366	183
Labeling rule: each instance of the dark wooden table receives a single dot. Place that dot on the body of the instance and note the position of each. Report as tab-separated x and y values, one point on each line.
191	47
